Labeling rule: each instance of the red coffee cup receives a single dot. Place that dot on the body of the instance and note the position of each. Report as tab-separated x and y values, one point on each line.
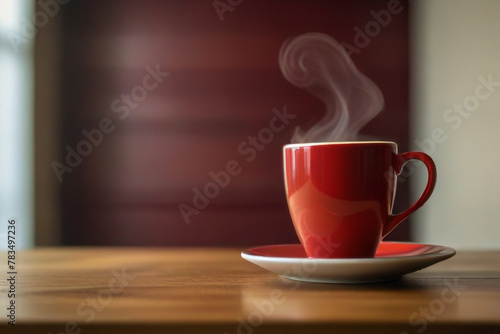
341	195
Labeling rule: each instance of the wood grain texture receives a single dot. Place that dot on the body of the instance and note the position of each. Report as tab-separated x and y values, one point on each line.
157	290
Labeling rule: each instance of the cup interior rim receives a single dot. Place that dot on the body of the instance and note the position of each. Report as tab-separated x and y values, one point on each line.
341	143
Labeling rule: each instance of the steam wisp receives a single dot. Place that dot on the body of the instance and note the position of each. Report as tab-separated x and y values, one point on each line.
320	65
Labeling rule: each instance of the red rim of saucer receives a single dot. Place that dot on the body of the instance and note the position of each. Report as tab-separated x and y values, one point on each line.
386	249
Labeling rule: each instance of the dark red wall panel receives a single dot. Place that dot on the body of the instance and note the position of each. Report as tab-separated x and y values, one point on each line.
222	85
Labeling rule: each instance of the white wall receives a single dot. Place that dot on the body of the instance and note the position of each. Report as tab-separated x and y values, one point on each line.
455	43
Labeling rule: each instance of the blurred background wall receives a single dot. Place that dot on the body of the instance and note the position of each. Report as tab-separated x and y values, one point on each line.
456	119
157	97
222	86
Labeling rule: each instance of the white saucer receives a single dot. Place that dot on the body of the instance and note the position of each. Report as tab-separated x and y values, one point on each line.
392	260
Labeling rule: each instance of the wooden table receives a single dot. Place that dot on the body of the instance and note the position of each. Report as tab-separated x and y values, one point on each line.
133	290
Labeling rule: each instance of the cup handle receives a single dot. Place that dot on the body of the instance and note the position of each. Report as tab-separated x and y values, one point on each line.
401	160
